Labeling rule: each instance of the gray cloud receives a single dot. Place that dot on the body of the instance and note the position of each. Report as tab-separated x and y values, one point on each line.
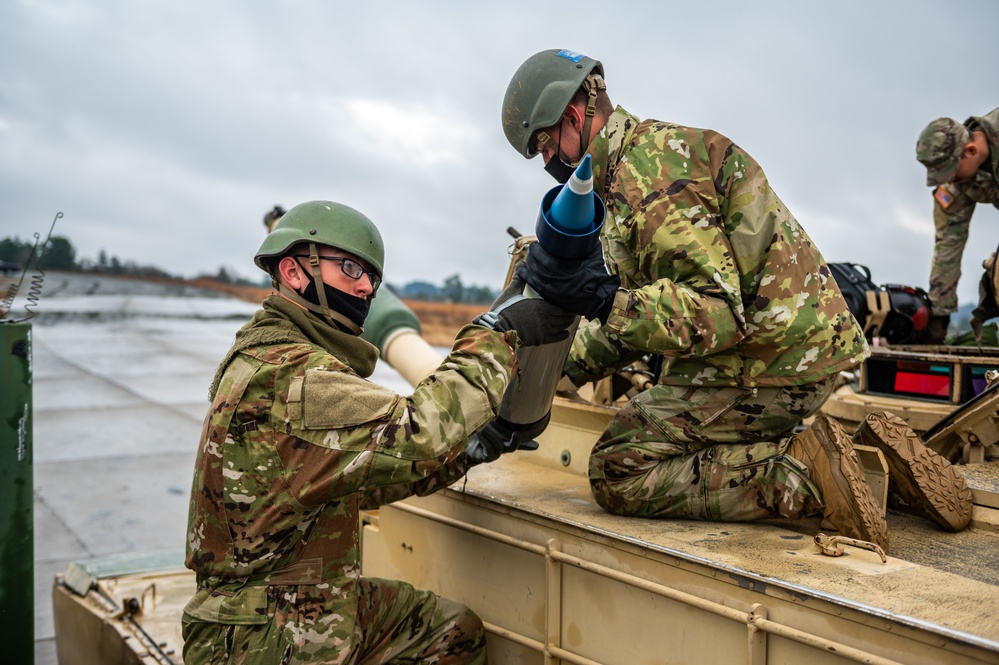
165	130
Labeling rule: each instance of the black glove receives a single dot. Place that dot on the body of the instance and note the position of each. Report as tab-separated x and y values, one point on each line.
581	287
536	321
493	440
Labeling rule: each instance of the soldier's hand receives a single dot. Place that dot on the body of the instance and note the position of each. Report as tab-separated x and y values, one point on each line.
536	321
581	287
493	440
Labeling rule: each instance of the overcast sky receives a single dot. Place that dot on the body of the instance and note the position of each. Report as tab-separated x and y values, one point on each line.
164	130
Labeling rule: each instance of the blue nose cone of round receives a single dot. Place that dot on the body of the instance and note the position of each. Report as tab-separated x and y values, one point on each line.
573	208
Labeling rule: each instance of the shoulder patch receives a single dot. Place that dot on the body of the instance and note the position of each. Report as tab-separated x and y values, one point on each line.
332	400
943	196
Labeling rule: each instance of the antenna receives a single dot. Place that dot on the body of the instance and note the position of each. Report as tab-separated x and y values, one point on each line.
35	290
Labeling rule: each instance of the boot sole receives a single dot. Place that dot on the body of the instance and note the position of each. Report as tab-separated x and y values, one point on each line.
846	473
923	479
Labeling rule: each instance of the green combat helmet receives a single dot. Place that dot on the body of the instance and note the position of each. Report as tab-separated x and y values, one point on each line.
939	149
321	223
540	91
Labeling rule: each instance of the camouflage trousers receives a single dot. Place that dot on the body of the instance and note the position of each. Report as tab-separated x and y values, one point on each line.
707	453
396	623
945	270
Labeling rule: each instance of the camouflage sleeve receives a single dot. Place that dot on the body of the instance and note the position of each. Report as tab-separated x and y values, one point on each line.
693	318
952	211
360	437
671	208
595	354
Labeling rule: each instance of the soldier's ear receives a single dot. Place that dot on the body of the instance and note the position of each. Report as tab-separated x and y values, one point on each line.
970	149
574	116
290	273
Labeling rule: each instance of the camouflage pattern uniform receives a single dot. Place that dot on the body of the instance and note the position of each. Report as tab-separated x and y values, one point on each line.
954	202
718	277
295	443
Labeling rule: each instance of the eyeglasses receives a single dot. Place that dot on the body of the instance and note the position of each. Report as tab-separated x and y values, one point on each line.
350	268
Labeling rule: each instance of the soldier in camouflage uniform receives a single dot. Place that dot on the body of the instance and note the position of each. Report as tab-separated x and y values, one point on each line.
962	164
709	270
297	440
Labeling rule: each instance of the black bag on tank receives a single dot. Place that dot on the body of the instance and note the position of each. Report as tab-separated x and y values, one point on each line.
899	314
854	280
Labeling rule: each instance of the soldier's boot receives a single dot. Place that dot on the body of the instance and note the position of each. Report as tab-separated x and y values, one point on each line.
847	501
936	329
923	479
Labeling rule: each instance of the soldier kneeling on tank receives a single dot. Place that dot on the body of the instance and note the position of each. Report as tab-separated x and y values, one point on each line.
704	266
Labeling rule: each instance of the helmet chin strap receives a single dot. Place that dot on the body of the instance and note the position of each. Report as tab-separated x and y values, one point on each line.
332	317
591	84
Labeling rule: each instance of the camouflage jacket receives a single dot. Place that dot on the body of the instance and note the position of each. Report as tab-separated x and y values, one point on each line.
953	206
297	440
716	274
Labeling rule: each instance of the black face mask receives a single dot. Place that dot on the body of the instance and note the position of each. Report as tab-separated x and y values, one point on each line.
354	308
559	170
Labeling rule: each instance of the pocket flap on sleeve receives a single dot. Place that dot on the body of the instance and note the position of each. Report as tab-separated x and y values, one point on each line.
332	400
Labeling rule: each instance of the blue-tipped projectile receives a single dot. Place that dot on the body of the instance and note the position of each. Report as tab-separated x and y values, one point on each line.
572	209
568	227
571	215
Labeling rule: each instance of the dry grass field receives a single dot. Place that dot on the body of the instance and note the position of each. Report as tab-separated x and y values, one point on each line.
441	321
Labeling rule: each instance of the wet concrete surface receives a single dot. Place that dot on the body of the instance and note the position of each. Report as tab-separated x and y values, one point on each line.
121	371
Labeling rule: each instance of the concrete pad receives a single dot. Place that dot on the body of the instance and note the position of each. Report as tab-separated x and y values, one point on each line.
196	411
78	390
205	339
125	366
45	652
45	572
120	504
45	364
73	435
121	352
54	540
175	388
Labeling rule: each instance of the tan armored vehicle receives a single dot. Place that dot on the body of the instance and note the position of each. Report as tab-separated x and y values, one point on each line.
557	579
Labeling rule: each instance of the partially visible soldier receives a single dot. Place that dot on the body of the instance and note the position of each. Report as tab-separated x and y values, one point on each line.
297	440
962	163
712	274
272	217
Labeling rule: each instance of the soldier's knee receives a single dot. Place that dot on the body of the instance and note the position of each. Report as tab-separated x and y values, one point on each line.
471	625
464	640
470	643
613	497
